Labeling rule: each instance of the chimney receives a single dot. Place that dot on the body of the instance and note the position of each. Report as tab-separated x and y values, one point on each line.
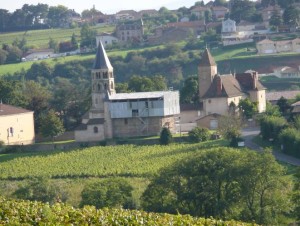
254	79
219	85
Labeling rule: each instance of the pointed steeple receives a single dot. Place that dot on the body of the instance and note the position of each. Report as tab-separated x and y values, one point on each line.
207	59
101	61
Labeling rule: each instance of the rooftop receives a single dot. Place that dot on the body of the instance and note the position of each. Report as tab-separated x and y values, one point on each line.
138	95
6	109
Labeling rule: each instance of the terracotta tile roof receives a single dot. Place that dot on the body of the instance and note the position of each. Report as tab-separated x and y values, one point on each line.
6	109
265	41
214	115
222	8
271	8
200	8
273	96
296	109
296	104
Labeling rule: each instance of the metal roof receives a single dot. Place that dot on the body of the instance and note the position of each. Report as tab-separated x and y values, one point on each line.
138	95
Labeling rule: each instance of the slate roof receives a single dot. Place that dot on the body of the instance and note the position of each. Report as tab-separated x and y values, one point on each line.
207	59
230	87
138	95
6	109
246	81
101	61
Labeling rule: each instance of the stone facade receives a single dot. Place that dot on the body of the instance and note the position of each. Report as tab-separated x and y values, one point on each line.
130	32
267	46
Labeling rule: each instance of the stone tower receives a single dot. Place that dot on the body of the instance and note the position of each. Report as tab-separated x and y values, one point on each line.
207	69
103	84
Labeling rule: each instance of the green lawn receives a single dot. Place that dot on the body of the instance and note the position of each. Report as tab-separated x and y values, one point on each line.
40	38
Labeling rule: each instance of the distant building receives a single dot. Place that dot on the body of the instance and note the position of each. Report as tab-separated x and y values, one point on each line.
219	12
199	12
287	72
273	97
130	32
267	46
124	114
228	26
127	15
106	39
16	125
269	11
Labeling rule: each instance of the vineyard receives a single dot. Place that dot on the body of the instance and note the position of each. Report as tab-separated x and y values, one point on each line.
124	160
14	212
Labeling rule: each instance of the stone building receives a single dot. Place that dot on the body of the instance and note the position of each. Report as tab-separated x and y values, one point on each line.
218	93
16	125
130	31
124	114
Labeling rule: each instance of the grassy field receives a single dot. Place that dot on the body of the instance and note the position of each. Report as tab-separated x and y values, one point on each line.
40	38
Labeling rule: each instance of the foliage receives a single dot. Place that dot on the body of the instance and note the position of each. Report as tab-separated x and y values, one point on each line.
147	84
296	194
98	161
113	193
248	108
165	136
291	16
242	10
51	125
290	140
88	36
272	110
199	134
189	91
223	183
230	128
39	189
17	212
271	126
283	105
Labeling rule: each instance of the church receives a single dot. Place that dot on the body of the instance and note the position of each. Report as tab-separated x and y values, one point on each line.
218	94
114	115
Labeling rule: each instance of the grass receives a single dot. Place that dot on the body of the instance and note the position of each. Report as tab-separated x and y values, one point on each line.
40	38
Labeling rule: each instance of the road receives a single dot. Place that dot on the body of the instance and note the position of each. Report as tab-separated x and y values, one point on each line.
249	133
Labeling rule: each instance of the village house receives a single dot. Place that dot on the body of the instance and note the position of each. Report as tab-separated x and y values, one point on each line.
107	39
130	31
124	114
219	12
269	11
17	125
199	12
127	15
221	94
178	31
287	72
267	46
273	97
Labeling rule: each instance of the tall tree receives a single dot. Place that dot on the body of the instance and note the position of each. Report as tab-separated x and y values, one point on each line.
57	16
291	16
88	36
51	125
189	91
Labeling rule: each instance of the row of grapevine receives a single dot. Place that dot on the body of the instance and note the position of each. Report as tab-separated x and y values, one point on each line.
124	160
18	212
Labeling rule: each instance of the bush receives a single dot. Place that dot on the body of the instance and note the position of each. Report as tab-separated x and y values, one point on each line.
290	140
108	193
271	126
199	134
165	136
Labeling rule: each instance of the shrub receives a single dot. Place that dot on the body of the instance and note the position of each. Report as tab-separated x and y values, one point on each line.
290	141
165	136
199	134
271	126
114	192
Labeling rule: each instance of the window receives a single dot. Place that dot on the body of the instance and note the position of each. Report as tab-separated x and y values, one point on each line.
135	112
104	74
10	132
125	121
146	104
209	101
95	129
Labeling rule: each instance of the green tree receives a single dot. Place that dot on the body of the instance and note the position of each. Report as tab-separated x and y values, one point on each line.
223	183
74	42
57	16
88	36
115	192
51	125
271	126
272	110
248	108
165	136
296	194
199	134
230	128
42	70
189	91
53	44
3	56
242	10
276	19
40	189
291	16
284	105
